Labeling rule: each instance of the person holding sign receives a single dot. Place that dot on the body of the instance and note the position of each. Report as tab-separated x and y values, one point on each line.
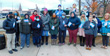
54	24
10	26
105	30
45	17
83	19
37	30
73	24
25	30
90	29
17	18
62	29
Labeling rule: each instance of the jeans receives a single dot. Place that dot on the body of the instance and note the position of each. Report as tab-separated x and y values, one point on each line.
105	40
62	35
17	38
38	39
25	37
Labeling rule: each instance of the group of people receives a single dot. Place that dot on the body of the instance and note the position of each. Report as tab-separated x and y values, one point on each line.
87	26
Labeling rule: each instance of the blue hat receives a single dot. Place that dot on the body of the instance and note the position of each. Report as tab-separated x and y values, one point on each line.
10	13
59	5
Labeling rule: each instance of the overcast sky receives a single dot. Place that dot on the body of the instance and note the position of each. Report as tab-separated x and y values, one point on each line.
30	4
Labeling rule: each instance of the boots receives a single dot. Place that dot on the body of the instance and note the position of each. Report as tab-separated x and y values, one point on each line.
42	40
46	40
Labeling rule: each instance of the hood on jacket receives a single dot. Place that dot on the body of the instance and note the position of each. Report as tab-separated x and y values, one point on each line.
74	14
25	16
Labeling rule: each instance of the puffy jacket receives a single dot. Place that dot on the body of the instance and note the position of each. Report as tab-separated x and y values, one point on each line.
9	25
45	21
25	27
37	31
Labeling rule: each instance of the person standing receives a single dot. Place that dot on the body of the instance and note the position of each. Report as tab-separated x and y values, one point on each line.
90	29
45	17
59	11
99	25
37	30
34	14
17	18
25	30
73	24
85	10
105	30
83	19
62	29
10	26
54	24
74	9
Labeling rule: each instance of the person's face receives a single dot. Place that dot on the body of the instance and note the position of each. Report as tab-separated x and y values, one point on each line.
35	13
26	16
106	16
74	5
45	12
59	7
90	18
72	15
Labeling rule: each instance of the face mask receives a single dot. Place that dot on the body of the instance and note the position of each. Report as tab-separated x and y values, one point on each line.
59	7
93	16
37	19
15	14
63	16
10	16
85	8
54	16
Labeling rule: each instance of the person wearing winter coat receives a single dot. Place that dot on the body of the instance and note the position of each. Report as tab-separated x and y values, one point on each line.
90	29
45	17
25	30
73	25
62	29
34	14
85	10
74	9
99	25
17	18
37	30
105	30
54	25
83	19
59	11
10	26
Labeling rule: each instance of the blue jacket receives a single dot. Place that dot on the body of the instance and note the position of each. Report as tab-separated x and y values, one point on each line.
59	13
99	25
9	25
105	28
61	25
74	20
91	30
37	32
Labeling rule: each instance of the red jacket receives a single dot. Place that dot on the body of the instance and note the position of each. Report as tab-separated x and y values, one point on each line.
33	16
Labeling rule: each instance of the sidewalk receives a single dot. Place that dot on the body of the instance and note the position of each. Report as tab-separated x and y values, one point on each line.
65	50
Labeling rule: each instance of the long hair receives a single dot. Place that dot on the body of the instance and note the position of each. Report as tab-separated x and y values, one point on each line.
17	13
83	18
